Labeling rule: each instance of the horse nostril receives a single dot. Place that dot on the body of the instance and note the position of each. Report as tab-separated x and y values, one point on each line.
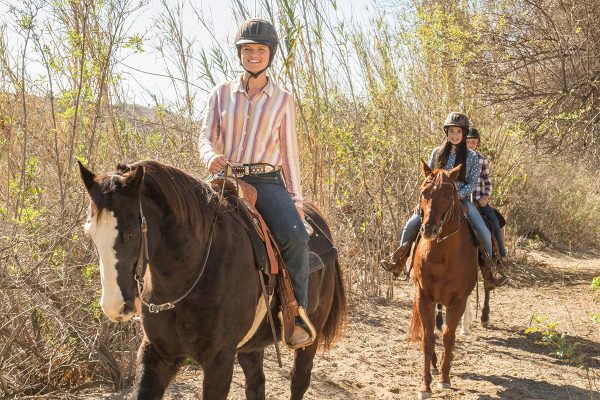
128	308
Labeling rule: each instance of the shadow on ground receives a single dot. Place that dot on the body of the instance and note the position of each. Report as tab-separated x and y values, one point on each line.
529	272
520	388
532	343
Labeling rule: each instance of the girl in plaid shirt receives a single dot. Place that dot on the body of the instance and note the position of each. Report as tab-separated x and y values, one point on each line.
481	195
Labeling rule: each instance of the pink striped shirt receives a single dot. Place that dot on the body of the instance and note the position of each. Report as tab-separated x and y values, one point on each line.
261	130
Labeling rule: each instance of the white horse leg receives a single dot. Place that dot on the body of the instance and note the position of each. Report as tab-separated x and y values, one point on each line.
467	319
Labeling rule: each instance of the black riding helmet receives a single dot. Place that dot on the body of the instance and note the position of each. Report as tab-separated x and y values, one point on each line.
473	134
457	119
258	31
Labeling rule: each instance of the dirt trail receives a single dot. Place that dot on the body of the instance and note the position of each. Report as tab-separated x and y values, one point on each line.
375	361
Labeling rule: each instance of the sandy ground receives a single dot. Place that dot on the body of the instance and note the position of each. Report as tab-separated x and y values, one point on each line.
375	361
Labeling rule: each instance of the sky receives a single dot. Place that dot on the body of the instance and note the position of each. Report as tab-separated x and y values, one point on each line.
142	72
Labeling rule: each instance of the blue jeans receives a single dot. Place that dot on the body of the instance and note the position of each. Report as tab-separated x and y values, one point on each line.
279	212
493	218
411	229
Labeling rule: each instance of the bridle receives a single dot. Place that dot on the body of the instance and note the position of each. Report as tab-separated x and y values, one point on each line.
142	265
448	214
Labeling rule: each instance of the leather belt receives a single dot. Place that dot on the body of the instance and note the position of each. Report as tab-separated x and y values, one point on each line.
252	169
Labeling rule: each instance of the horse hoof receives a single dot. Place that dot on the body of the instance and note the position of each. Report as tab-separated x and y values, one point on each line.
435	372
424	395
465	333
485	324
443	385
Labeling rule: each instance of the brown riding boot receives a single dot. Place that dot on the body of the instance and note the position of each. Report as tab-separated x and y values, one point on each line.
397	260
491	276
498	275
299	338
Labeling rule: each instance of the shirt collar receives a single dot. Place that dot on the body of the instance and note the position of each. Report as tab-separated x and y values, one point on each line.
238	86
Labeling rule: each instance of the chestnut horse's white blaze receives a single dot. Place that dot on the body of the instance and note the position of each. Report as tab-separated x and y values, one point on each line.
103	231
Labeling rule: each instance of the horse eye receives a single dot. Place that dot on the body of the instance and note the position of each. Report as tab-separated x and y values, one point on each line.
131	235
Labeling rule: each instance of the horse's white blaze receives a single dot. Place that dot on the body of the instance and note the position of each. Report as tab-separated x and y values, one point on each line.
103	231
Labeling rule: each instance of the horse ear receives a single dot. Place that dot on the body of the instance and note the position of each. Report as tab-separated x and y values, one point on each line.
454	172
133	181
425	169
87	176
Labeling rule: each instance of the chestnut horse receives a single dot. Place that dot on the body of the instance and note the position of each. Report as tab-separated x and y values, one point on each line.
197	260
445	270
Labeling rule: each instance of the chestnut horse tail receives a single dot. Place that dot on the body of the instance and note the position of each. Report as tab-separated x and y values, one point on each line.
416	326
336	319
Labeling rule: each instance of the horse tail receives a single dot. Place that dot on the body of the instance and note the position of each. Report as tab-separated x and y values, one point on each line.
336	321
416	327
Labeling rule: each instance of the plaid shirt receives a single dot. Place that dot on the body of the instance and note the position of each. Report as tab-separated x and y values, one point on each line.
484	185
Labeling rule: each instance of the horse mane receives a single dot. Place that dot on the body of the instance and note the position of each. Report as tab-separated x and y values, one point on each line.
187	198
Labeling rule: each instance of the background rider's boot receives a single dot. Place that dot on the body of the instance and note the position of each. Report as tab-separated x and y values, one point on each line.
499	278
398	258
489	280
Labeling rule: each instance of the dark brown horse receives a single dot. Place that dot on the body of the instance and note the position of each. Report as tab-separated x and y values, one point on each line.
199	257
445	270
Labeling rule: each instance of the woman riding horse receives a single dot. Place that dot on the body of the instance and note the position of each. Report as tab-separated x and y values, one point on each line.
250	124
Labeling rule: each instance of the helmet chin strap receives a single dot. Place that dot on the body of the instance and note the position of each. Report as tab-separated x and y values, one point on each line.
254	75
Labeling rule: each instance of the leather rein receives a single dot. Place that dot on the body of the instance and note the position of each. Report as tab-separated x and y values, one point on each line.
448	214
142	265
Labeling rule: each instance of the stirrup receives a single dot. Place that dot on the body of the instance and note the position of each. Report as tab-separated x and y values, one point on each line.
489	283
501	281
312	332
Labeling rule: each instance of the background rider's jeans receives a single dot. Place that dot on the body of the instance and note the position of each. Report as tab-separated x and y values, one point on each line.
496	230
279	211
411	229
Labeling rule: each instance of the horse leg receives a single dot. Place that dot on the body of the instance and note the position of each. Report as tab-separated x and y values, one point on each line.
218	371
434	369
453	315
439	317
252	365
300	374
485	311
427	309
439	323
467	319
153	374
